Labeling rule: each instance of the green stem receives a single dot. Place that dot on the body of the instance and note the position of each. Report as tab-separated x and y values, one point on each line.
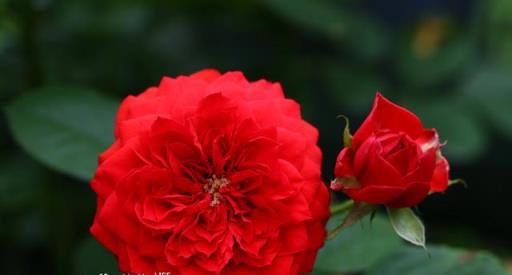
341	207
357	212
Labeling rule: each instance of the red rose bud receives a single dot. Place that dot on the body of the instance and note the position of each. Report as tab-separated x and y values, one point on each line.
392	159
212	174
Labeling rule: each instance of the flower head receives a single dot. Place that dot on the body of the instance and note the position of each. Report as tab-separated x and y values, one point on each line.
211	174
393	160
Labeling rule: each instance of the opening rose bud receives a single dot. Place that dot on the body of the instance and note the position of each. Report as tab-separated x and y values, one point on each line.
212	174
392	159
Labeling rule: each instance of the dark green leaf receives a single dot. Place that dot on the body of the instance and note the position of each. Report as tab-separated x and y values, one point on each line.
407	225
358	247
442	261
491	90
63	127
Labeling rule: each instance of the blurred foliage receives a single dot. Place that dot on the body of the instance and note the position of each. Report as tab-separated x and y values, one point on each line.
63	62
349	251
440	260
90	257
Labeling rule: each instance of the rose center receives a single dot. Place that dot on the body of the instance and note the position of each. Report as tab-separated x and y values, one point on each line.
213	186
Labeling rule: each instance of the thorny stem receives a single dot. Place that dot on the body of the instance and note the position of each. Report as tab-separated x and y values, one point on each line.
357	211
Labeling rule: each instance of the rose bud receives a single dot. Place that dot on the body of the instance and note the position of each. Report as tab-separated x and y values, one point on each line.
212	174
391	159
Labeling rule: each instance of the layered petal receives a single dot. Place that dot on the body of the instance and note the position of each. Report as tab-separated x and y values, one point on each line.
212	174
392	160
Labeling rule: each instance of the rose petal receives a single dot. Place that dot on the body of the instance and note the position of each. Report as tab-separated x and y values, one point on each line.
343	166
208	75
156	185
375	194
440	178
414	194
387	115
371	169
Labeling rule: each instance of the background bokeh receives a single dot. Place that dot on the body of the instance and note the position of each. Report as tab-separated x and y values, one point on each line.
65	65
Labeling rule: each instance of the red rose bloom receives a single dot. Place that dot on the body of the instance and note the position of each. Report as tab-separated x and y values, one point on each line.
392	159
211	174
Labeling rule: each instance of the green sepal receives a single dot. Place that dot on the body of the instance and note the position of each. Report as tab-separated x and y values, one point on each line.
407	225
347	136
457	181
346	182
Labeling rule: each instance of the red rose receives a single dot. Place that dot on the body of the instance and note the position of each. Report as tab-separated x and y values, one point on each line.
212	174
392	159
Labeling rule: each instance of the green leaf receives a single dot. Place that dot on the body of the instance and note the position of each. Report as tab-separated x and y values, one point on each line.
358	247
407	225
92	258
442	261
65	128
491	91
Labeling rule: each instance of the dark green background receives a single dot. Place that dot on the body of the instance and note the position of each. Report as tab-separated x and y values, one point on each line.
73	61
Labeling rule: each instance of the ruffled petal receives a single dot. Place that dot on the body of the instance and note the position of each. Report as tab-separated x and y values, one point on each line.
212	174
